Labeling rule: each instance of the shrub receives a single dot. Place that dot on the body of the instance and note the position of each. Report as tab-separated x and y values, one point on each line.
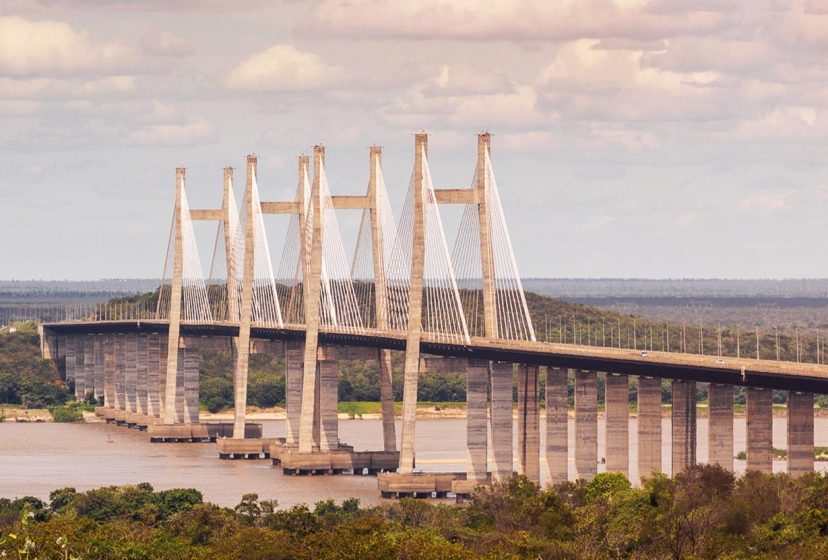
66	414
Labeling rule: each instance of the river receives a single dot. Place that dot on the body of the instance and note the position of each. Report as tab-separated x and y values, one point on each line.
38	458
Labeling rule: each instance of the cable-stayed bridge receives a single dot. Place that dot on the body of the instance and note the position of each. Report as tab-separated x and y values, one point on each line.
406	289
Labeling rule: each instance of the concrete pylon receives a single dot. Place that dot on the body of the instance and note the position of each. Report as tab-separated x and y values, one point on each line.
528	422
759	429
649	426
312	278
617	407
477	393
683	425
800	433
229	241
502	381
110	400
484	146
389	435
586	424
415	308
173	341
242	362
720	425
557	429
89	365
293	390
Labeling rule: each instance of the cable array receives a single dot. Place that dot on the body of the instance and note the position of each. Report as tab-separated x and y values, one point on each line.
218	283
266	310
338	305
442	309
289	281
195	305
362	267
512	312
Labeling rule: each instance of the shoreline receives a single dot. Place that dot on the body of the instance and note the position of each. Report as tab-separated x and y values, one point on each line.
368	411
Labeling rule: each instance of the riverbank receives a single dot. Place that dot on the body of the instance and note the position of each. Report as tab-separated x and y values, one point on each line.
454	410
364	411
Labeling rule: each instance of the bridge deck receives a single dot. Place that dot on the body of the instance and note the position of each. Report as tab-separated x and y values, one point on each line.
673	365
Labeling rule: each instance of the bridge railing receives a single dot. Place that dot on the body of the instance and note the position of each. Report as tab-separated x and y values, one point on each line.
792	344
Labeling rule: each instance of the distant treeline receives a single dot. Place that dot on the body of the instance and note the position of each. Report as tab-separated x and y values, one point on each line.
678	287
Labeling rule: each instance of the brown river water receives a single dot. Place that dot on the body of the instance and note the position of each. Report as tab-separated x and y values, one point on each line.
37	458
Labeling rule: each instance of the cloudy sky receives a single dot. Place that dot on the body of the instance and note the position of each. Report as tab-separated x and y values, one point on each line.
631	138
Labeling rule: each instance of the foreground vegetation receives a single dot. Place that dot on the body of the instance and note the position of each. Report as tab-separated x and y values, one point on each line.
702	513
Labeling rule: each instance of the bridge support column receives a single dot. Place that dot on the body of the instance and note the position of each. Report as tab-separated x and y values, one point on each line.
328	398
120	359
130	372
80	367
586	424
88	366
110	392
155	384
683	425
800	433
617	407
189	360
389	430
293	391
501	420
720	425
142	367
528	422
557	430
649	426
759	429
71	360
98	367
477	394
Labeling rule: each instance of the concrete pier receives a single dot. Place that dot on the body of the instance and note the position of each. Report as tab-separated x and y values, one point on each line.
501	420
141	368
189	361
131	372
800	433
110	394
586	424
70	361
617	406
293	391
720	430
683	425
328	398
155	346
528	422
88	366
80	366
119	347
477	393
759	429
99	366
557	432
649	426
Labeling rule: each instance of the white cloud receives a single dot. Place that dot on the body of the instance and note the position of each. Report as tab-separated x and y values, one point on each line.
165	43
284	68
195	131
66	88
603	135
29	48
518	20
765	202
